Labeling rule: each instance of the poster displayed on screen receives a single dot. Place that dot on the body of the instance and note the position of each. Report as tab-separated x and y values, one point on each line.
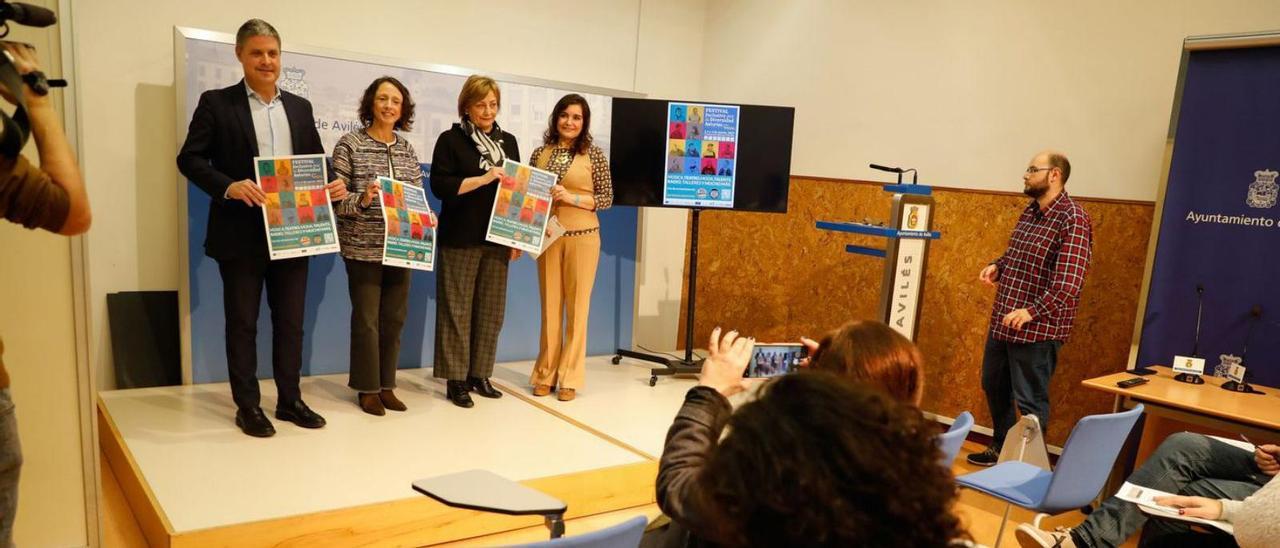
410	229
521	206
645	155
299	218
702	143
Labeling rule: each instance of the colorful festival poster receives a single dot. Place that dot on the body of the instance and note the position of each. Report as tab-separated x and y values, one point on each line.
297	213
520	207
701	155
410	235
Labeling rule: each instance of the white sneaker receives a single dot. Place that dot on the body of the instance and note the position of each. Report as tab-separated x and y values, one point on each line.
1031	536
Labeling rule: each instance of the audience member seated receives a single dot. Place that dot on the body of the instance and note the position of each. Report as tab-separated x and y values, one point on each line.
871	352
1256	518
815	460
1191	465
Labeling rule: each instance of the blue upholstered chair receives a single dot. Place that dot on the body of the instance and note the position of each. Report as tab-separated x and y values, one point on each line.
1082	469
951	440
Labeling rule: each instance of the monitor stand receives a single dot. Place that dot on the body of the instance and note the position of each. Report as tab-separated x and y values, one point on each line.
687	365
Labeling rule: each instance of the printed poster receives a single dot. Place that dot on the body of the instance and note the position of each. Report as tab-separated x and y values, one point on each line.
702	152
521	207
410	229
298	214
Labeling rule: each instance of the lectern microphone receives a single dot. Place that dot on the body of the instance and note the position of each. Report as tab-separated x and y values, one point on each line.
899	170
886	168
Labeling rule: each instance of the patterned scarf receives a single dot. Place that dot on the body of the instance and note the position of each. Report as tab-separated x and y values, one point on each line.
491	153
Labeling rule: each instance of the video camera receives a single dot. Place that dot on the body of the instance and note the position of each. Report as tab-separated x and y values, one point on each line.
17	128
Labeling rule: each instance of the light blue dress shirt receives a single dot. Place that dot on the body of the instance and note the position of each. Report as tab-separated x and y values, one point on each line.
270	124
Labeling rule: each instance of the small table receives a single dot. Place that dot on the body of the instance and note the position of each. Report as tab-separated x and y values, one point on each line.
488	492
1171	404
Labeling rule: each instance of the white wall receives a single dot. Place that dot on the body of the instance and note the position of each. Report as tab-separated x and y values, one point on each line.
669	37
967	92
37	319
126	71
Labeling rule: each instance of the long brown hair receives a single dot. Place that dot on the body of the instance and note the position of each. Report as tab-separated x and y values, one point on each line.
582	142
872	352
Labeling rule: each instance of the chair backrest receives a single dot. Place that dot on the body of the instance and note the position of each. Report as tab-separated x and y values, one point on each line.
623	535
951	440
1087	459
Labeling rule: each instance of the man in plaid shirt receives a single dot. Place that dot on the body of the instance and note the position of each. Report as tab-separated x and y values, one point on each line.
1038	281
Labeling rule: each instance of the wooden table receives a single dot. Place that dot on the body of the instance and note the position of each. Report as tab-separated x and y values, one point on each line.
1173	406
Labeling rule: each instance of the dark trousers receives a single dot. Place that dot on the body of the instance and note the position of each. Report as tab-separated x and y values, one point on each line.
379	302
471	299
1017	374
242	282
1184	464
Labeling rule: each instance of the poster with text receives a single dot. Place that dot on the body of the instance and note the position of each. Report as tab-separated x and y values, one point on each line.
410	228
702	152
299	218
521	207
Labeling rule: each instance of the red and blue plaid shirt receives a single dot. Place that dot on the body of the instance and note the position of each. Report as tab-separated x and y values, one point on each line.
1043	271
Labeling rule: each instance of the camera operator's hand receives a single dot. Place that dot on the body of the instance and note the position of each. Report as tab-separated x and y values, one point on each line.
248	192
23	57
810	348
56	158
728	359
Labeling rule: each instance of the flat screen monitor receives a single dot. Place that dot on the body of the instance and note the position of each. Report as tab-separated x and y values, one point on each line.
696	154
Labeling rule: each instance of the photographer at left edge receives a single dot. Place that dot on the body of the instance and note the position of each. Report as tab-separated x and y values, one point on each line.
50	197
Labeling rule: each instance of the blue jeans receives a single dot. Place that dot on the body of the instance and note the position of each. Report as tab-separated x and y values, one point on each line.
10	464
1185	464
1017	373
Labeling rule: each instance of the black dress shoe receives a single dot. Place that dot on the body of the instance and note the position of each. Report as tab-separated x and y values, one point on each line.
989	457
298	413
253	422
456	391
483	387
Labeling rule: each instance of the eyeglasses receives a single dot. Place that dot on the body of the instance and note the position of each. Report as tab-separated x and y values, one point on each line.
1032	170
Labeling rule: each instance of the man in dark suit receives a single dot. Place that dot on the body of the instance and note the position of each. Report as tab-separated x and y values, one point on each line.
231	126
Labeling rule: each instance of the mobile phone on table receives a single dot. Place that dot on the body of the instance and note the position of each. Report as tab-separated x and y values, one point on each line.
772	360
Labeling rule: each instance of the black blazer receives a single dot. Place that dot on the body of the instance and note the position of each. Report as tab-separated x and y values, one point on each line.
219	151
464	219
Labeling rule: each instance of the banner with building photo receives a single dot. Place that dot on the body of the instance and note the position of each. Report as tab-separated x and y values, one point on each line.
521	207
299	218
410	231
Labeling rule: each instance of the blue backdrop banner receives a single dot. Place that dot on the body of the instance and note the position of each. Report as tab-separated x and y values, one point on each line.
333	84
1220	227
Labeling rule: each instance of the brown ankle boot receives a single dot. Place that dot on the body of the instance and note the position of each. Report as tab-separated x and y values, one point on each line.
369	403
566	394
541	389
390	401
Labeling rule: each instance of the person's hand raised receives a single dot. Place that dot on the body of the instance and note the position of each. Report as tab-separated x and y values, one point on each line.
726	361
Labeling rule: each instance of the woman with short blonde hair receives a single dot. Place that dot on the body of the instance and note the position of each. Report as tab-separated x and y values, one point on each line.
471	276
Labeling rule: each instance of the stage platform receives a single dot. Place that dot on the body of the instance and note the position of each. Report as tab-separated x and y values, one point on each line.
192	479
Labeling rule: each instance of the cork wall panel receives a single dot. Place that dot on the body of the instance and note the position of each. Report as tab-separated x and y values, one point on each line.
777	277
